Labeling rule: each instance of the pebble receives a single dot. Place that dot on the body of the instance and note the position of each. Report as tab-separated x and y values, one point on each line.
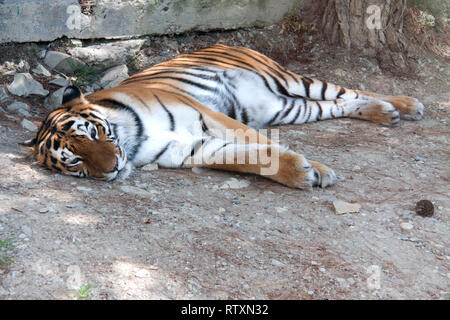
43	210
341	207
406	226
277	263
24	85
60	81
150	167
142	273
112	77
234	183
15	106
323	270
84	189
41	71
26	124
356	168
3	96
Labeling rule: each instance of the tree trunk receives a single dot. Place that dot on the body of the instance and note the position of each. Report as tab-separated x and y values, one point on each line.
372	27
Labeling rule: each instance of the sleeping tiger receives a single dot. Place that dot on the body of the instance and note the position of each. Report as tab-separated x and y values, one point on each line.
204	109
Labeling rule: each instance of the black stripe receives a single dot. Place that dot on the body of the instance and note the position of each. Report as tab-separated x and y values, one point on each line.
297	114
250	54
244	116
307	83
186	81
214	153
309	113
341	92
288	110
324	90
150	75
274	118
172	120
319	117
110	103
160	153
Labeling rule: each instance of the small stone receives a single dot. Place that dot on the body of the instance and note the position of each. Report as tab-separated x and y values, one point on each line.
406	226
54	100
43	210
62	62
41	71
277	263
323	270
235	201
114	76
356	168
281	210
200	170
142	273
27	124
24	113
424	208
150	167
23	66
17	106
342	207
60	81
3	96
235	184
24	85
351	281
84	189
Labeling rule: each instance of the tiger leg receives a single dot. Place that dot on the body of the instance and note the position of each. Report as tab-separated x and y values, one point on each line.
409	108
374	110
233	146
268	160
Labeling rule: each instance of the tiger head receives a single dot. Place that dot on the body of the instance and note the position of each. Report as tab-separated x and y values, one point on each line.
76	139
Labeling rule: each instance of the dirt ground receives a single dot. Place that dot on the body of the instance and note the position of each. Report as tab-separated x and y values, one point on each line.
177	234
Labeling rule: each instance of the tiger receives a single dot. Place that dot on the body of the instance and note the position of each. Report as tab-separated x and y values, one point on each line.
204	109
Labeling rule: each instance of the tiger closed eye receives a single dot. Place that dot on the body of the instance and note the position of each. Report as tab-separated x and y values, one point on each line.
75	161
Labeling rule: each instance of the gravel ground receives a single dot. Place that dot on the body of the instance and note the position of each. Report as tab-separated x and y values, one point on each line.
179	234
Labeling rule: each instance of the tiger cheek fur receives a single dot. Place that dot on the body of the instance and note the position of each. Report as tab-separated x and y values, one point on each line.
99	157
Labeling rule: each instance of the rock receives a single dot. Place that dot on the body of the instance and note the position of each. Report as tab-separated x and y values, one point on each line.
277	263
84	189
41	71
24	113
234	183
17	106
142	273
43	210
150	167
114	76
23	66
356	168
54	100
406	226
26	124
24	85
108	55
341	207
62	62
60	81
3	96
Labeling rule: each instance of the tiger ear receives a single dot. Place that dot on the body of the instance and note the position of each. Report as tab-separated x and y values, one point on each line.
71	93
28	145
